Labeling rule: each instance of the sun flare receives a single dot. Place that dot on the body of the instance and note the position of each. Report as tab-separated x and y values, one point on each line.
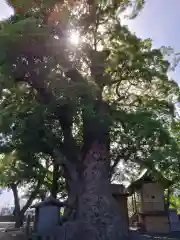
74	38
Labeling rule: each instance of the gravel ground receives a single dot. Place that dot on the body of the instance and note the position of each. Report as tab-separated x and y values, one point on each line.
134	235
18	235
137	236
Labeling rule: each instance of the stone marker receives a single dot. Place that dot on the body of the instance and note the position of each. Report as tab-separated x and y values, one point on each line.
47	215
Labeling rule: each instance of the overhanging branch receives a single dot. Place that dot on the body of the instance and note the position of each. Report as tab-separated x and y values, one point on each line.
31	197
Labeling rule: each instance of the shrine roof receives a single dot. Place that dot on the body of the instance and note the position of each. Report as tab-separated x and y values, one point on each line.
147	177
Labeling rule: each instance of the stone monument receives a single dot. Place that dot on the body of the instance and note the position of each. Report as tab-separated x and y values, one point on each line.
47	215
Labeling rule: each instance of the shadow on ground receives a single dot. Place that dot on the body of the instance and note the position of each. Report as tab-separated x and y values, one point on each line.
134	235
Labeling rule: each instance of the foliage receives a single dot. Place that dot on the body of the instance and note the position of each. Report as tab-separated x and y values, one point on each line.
175	202
52	91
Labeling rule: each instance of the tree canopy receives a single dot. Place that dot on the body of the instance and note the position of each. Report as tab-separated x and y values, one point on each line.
59	97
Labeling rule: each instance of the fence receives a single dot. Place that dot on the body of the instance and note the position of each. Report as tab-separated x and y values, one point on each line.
7	218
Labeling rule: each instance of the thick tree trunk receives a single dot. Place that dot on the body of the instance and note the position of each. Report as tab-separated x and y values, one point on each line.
97	214
97	208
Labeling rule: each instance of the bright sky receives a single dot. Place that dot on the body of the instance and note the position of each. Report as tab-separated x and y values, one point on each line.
5	10
159	20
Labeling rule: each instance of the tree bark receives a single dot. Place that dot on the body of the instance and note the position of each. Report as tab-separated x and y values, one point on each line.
19	220
54	188
97	209
19	217
97	214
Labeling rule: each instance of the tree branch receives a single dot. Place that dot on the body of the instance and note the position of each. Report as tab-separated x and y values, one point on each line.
31	197
72	179
61	160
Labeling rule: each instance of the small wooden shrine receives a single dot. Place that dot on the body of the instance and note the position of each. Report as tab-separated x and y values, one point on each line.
121	195
150	210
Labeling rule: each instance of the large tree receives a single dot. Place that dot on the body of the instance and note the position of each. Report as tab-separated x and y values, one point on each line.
106	99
